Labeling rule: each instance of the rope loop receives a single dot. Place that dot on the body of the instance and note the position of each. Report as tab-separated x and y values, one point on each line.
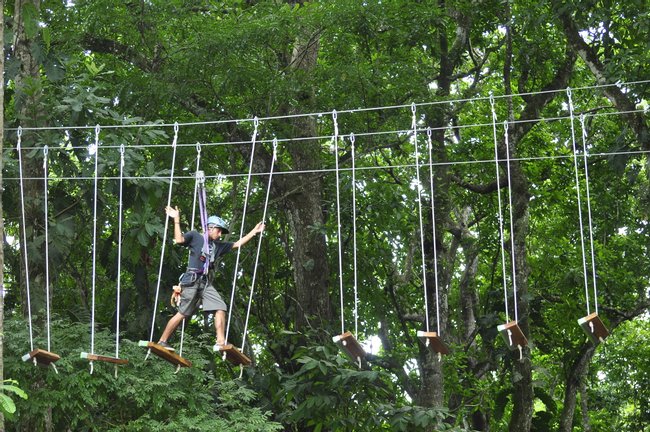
423	268
512	228
96	133
19	132
241	232
413	108
429	133
498	180
579	199
256	122
352	138
259	245
198	149
175	129
23	245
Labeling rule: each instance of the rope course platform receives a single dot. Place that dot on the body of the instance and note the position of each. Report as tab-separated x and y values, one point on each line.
594	328
165	354
42	357
433	341
107	359
233	355
350	345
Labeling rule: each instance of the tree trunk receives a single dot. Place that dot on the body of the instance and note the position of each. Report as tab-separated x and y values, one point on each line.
309	253
522	374
28	108
2	227
584	407
574	380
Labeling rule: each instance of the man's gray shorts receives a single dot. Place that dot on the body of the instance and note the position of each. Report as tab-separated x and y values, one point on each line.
208	295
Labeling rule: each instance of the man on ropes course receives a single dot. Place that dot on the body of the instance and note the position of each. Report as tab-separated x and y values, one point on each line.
196	284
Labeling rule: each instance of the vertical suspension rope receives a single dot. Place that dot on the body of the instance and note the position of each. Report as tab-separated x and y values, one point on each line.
241	229
496	163
589	220
164	241
335	138
119	256
259	243
47	254
94	252
354	236
416	152
19	134
433	223
512	228
575	166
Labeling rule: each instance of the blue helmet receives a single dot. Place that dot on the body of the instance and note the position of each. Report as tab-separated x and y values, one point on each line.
219	223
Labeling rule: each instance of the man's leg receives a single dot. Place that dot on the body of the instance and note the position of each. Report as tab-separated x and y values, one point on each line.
171	326
220	326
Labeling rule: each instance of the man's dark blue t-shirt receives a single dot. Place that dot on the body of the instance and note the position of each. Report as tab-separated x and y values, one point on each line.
194	242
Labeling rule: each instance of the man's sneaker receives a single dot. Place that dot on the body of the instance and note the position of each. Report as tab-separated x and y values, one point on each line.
218	347
165	345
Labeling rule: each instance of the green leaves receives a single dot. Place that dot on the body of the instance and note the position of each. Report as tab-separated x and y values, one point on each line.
7	405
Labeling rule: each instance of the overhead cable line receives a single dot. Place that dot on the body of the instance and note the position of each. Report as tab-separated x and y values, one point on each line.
318	139
329	113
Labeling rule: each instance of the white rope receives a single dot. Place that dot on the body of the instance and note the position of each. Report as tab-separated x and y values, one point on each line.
354	238
164	240
94	252
356	110
47	247
503	253
591	229
419	187
241	229
575	165
433	226
259	246
24	232
316	140
331	170
119	259
335	138
512	228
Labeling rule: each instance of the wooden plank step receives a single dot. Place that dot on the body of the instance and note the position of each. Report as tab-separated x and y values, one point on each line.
43	357
434	342
512	335
166	354
233	355
350	345
593	326
95	357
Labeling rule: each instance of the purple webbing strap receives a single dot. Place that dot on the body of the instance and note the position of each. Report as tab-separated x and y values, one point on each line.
204	224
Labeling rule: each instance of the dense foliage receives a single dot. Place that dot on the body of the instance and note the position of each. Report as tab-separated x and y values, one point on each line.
460	80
